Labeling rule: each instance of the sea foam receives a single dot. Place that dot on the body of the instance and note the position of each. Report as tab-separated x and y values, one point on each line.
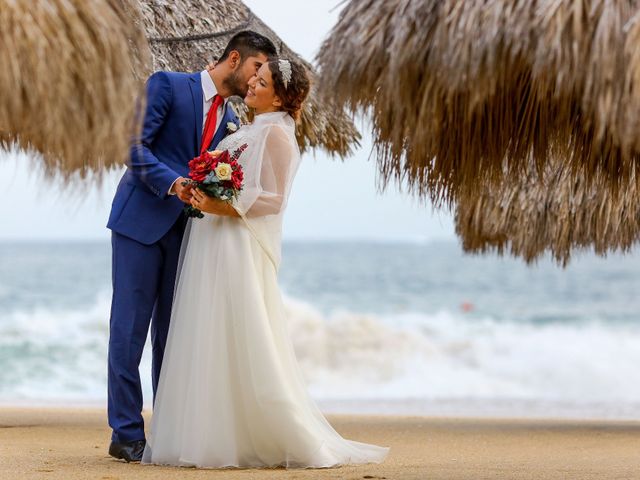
402	362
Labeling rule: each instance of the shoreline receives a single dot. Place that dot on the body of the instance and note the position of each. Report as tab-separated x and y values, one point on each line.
71	443
445	408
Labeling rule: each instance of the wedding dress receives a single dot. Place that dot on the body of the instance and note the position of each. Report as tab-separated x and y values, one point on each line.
230	392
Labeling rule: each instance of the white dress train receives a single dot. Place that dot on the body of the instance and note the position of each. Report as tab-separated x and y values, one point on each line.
230	392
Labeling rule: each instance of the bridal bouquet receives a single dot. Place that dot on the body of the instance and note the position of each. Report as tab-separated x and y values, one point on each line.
218	174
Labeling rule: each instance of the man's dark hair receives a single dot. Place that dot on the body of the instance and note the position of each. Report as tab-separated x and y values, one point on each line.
248	44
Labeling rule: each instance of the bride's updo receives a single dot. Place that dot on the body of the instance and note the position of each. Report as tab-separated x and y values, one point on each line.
293	92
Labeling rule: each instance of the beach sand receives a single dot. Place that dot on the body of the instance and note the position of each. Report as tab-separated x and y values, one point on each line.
65	443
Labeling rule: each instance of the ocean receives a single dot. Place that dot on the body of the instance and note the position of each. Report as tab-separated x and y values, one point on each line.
415	329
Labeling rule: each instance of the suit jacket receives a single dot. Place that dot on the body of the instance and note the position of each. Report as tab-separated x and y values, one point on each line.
171	136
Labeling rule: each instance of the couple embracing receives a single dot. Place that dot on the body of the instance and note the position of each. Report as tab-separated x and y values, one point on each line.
227	388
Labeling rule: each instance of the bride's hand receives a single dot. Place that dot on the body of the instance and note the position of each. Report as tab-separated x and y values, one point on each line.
212	65
214	206
203	202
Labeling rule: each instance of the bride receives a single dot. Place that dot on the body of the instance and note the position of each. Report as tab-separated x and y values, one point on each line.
230	392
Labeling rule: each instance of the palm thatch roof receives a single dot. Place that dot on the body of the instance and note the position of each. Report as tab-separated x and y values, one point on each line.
459	90
67	80
556	212
73	69
184	35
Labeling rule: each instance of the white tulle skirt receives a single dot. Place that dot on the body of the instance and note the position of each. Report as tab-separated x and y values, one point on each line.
230	391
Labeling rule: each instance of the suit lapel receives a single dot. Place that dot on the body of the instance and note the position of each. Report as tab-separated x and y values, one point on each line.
227	117
196	93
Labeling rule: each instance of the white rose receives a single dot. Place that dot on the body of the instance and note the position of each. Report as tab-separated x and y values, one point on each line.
232	127
223	171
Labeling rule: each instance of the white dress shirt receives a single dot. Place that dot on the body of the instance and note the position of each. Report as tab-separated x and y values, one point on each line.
209	91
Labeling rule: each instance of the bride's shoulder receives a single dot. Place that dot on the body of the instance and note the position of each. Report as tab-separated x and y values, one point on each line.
263	128
268	119
269	129
283	126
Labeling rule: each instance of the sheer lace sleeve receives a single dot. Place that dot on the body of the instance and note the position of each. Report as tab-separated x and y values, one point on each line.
269	162
269	170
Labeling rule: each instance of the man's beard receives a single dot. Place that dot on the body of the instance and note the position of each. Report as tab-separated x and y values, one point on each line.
236	85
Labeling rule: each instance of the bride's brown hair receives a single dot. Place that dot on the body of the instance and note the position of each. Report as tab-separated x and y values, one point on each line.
297	89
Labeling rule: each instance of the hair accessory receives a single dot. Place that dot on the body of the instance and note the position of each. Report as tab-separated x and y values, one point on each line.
285	69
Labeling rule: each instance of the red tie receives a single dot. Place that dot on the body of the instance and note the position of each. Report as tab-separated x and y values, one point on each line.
210	124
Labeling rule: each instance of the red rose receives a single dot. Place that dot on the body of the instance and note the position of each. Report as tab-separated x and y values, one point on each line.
237	176
223	157
200	167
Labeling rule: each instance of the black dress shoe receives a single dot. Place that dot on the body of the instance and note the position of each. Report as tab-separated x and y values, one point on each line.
129	452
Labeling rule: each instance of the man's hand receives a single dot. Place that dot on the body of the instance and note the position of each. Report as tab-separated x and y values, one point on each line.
184	193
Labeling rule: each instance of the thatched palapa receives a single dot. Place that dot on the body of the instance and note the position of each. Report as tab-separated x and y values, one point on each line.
73	69
185	35
463	92
552	212
67	80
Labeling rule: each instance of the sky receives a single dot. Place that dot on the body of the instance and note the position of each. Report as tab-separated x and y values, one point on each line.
331	199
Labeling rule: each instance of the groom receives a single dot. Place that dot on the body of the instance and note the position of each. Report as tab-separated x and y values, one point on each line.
185	115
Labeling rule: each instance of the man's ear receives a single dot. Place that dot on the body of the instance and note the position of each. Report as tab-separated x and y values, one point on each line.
234	59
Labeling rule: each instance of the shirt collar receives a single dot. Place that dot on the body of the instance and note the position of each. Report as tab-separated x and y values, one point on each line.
208	87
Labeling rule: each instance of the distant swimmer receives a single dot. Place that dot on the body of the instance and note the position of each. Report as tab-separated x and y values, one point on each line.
467	307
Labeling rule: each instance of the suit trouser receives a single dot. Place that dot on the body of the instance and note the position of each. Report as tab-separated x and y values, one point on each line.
143	279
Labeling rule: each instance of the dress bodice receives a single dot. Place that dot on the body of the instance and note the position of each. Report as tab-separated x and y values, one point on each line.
235	140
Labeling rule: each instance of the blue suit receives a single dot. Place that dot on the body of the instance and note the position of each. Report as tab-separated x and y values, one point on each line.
147	226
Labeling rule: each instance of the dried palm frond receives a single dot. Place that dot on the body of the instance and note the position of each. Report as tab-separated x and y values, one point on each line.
557	212
73	70
457	90
185	35
71	73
